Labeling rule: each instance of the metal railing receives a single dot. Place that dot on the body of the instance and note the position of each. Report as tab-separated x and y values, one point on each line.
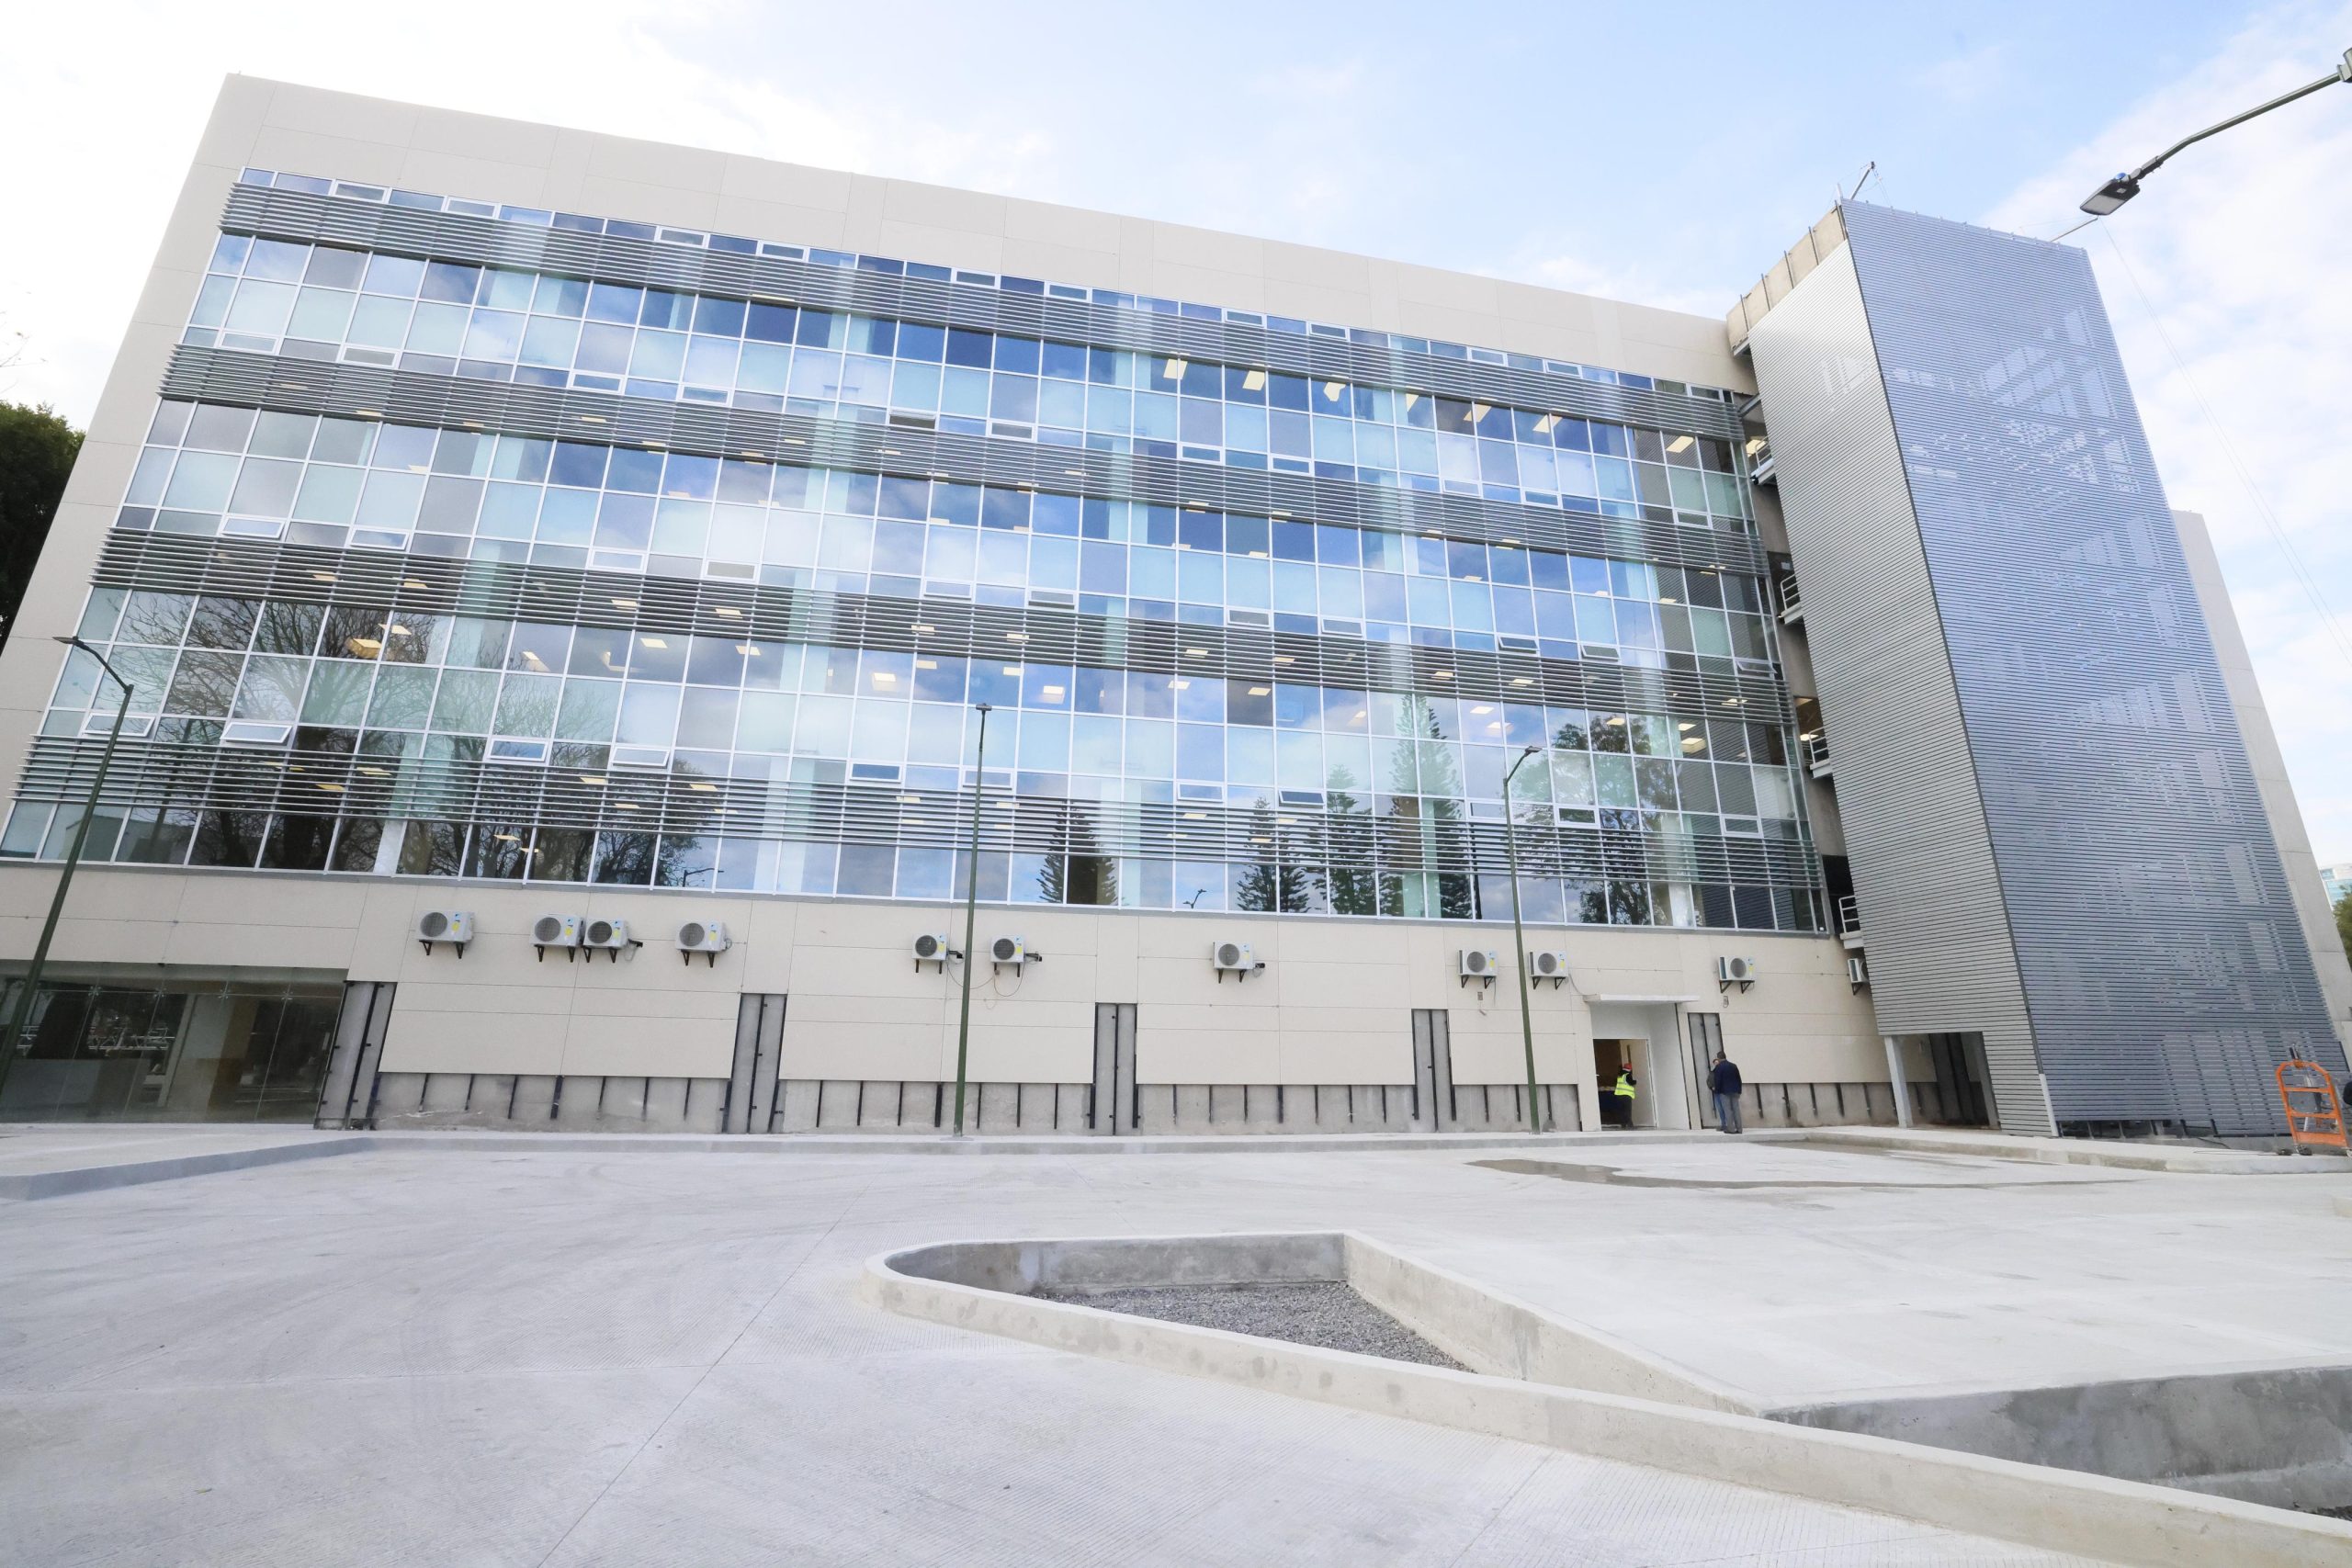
1850	916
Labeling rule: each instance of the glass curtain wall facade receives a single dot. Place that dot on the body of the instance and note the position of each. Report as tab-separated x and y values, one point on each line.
492	542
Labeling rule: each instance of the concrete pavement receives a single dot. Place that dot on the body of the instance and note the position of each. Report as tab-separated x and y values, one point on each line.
521	1353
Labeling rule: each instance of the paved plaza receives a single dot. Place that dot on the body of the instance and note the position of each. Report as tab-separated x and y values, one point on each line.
545	1353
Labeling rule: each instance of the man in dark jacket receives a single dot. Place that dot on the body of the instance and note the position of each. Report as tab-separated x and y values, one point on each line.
1723	1080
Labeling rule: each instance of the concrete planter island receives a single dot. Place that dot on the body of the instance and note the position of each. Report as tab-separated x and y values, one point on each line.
1542	1381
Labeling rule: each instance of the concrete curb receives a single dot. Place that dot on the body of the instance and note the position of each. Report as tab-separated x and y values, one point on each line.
976	1145
2120	1522
140	1172
2073	1151
135	1172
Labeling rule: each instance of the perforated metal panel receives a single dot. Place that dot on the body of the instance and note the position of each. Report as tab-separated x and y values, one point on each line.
1940	958
2155	948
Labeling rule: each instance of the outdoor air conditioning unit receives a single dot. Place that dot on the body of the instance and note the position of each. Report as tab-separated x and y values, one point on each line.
1730	971
455	927
931	948
1477	965
1234	958
609	935
1009	950
702	936
557	931
1857	972
1552	966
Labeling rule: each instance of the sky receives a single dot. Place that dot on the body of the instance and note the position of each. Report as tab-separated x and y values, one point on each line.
1664	154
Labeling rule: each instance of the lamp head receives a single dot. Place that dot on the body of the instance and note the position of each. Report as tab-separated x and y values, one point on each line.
2110	195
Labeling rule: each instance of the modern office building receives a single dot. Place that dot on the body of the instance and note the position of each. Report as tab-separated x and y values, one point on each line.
582	600
2335	881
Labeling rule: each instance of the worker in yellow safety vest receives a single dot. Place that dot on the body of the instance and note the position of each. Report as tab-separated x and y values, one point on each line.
1621	1095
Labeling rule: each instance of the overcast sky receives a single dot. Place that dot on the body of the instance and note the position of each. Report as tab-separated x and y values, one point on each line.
1649	152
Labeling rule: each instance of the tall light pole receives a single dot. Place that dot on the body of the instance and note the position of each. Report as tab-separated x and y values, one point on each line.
971	913
22	1011
2123	187
1519	940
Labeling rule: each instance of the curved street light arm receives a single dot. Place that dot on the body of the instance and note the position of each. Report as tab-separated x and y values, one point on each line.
2123	187
2343	73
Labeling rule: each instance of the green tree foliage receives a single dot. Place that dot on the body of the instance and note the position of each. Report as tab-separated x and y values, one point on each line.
1273	883
2344	922
1086	875
37	451
1355	889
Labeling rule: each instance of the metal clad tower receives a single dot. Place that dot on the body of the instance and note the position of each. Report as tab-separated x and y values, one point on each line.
2057	843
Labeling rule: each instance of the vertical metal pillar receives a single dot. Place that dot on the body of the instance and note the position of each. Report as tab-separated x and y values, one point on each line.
1901	1089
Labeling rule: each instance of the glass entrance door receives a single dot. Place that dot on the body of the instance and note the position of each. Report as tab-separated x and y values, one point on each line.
195	1051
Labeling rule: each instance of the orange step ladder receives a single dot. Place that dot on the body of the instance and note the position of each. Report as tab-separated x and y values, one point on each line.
2314	1115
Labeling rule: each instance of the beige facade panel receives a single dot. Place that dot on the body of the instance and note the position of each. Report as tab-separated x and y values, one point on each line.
1338	1012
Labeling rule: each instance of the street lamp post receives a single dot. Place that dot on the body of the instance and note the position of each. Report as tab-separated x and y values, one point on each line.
1519	940
971	913
22	1011
2123	187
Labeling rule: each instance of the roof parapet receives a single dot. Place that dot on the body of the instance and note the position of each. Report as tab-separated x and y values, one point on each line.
1819	243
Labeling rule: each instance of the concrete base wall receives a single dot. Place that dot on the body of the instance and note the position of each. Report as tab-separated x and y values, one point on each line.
527	1102
1818	1105
537	1102
2282	1437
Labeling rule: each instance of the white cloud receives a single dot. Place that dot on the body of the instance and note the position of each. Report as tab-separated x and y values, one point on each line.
2234	258
119	122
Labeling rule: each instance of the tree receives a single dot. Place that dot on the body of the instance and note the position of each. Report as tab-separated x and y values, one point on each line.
37	451
1349	847
2344	922
1272	884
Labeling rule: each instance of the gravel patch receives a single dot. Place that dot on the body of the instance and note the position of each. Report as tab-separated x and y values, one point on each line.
1328	1315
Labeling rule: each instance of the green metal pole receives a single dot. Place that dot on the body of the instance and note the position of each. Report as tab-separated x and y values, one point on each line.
971	914
22	1011
1518	938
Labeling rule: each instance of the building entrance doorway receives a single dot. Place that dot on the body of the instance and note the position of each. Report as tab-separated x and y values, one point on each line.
1958	1089
183	1051
1608	1057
